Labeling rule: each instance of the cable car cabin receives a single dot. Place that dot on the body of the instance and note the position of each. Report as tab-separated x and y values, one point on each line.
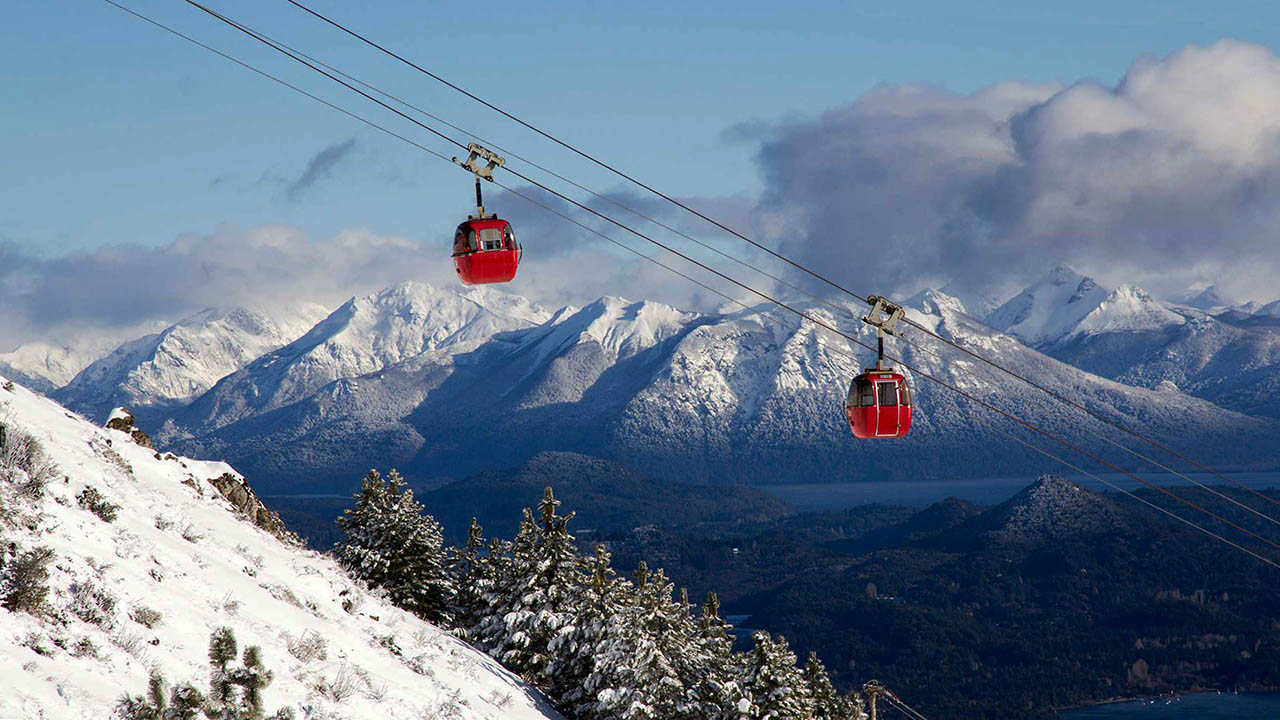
485	251
879	405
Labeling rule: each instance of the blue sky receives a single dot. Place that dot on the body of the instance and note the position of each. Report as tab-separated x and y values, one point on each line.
119	133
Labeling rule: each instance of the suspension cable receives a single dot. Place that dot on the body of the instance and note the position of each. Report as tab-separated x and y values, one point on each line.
598	195
770	251
743	263
801	314
723	276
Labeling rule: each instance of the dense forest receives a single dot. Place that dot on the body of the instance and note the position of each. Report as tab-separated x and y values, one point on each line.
1057	597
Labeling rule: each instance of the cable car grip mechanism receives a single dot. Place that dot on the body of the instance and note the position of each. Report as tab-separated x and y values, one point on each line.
493	160
883	323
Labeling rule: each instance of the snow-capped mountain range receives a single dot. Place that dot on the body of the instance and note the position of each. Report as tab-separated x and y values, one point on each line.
1202	347
753	396
144	586
1065	305
444	382
180	362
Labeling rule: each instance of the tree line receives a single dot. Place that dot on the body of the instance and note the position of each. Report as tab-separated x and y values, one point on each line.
600	646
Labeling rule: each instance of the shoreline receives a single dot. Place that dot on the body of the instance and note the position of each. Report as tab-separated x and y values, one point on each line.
1161	696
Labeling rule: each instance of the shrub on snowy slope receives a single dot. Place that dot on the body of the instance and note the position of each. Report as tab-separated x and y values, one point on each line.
235	693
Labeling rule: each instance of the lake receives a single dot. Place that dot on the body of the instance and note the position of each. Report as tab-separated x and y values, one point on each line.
987	491
1200	706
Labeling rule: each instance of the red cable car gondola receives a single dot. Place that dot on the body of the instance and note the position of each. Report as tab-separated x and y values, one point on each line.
879	402
879	405
485	250
484	247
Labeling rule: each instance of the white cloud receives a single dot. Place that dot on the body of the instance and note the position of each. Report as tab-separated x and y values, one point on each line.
1167	179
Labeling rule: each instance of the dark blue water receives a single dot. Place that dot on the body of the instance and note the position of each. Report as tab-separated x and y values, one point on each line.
988	491
1201	706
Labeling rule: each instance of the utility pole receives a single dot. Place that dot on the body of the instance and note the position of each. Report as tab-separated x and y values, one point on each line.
873	689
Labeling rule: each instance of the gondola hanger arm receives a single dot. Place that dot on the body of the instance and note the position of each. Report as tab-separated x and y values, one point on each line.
878	319
479	152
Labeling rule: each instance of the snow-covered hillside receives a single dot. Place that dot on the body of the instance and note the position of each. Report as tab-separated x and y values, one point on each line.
180	362
146	589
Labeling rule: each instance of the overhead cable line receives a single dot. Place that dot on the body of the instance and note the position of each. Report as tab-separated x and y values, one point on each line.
398	136
598	195
718	251
765	296
779	256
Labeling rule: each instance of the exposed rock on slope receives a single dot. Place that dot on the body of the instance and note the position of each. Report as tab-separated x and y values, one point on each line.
121	419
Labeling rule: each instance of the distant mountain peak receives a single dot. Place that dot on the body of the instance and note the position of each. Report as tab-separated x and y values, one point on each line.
1064	305
1085	286
1048	308
932	301
1064	274
1207	299
176	364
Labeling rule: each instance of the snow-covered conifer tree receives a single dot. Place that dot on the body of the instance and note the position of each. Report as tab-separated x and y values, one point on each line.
850	707
222	650
465	568
718	691
826	704
392	545
645	662
575	654
533	601
776	686
251	678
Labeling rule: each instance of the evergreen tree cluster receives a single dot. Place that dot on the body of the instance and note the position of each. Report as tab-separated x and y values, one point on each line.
602	647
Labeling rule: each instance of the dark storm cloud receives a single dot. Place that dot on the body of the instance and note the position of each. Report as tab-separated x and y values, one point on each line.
1167	179
319	167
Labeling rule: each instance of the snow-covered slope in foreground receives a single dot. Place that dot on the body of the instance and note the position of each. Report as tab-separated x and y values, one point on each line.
181	550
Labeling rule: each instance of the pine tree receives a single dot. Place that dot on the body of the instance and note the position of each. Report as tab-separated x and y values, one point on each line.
821	691
718	691
185	703
251	678
391	545
532	598
465	569
776	687
150	707
850	707
575	653
647	661
222	650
